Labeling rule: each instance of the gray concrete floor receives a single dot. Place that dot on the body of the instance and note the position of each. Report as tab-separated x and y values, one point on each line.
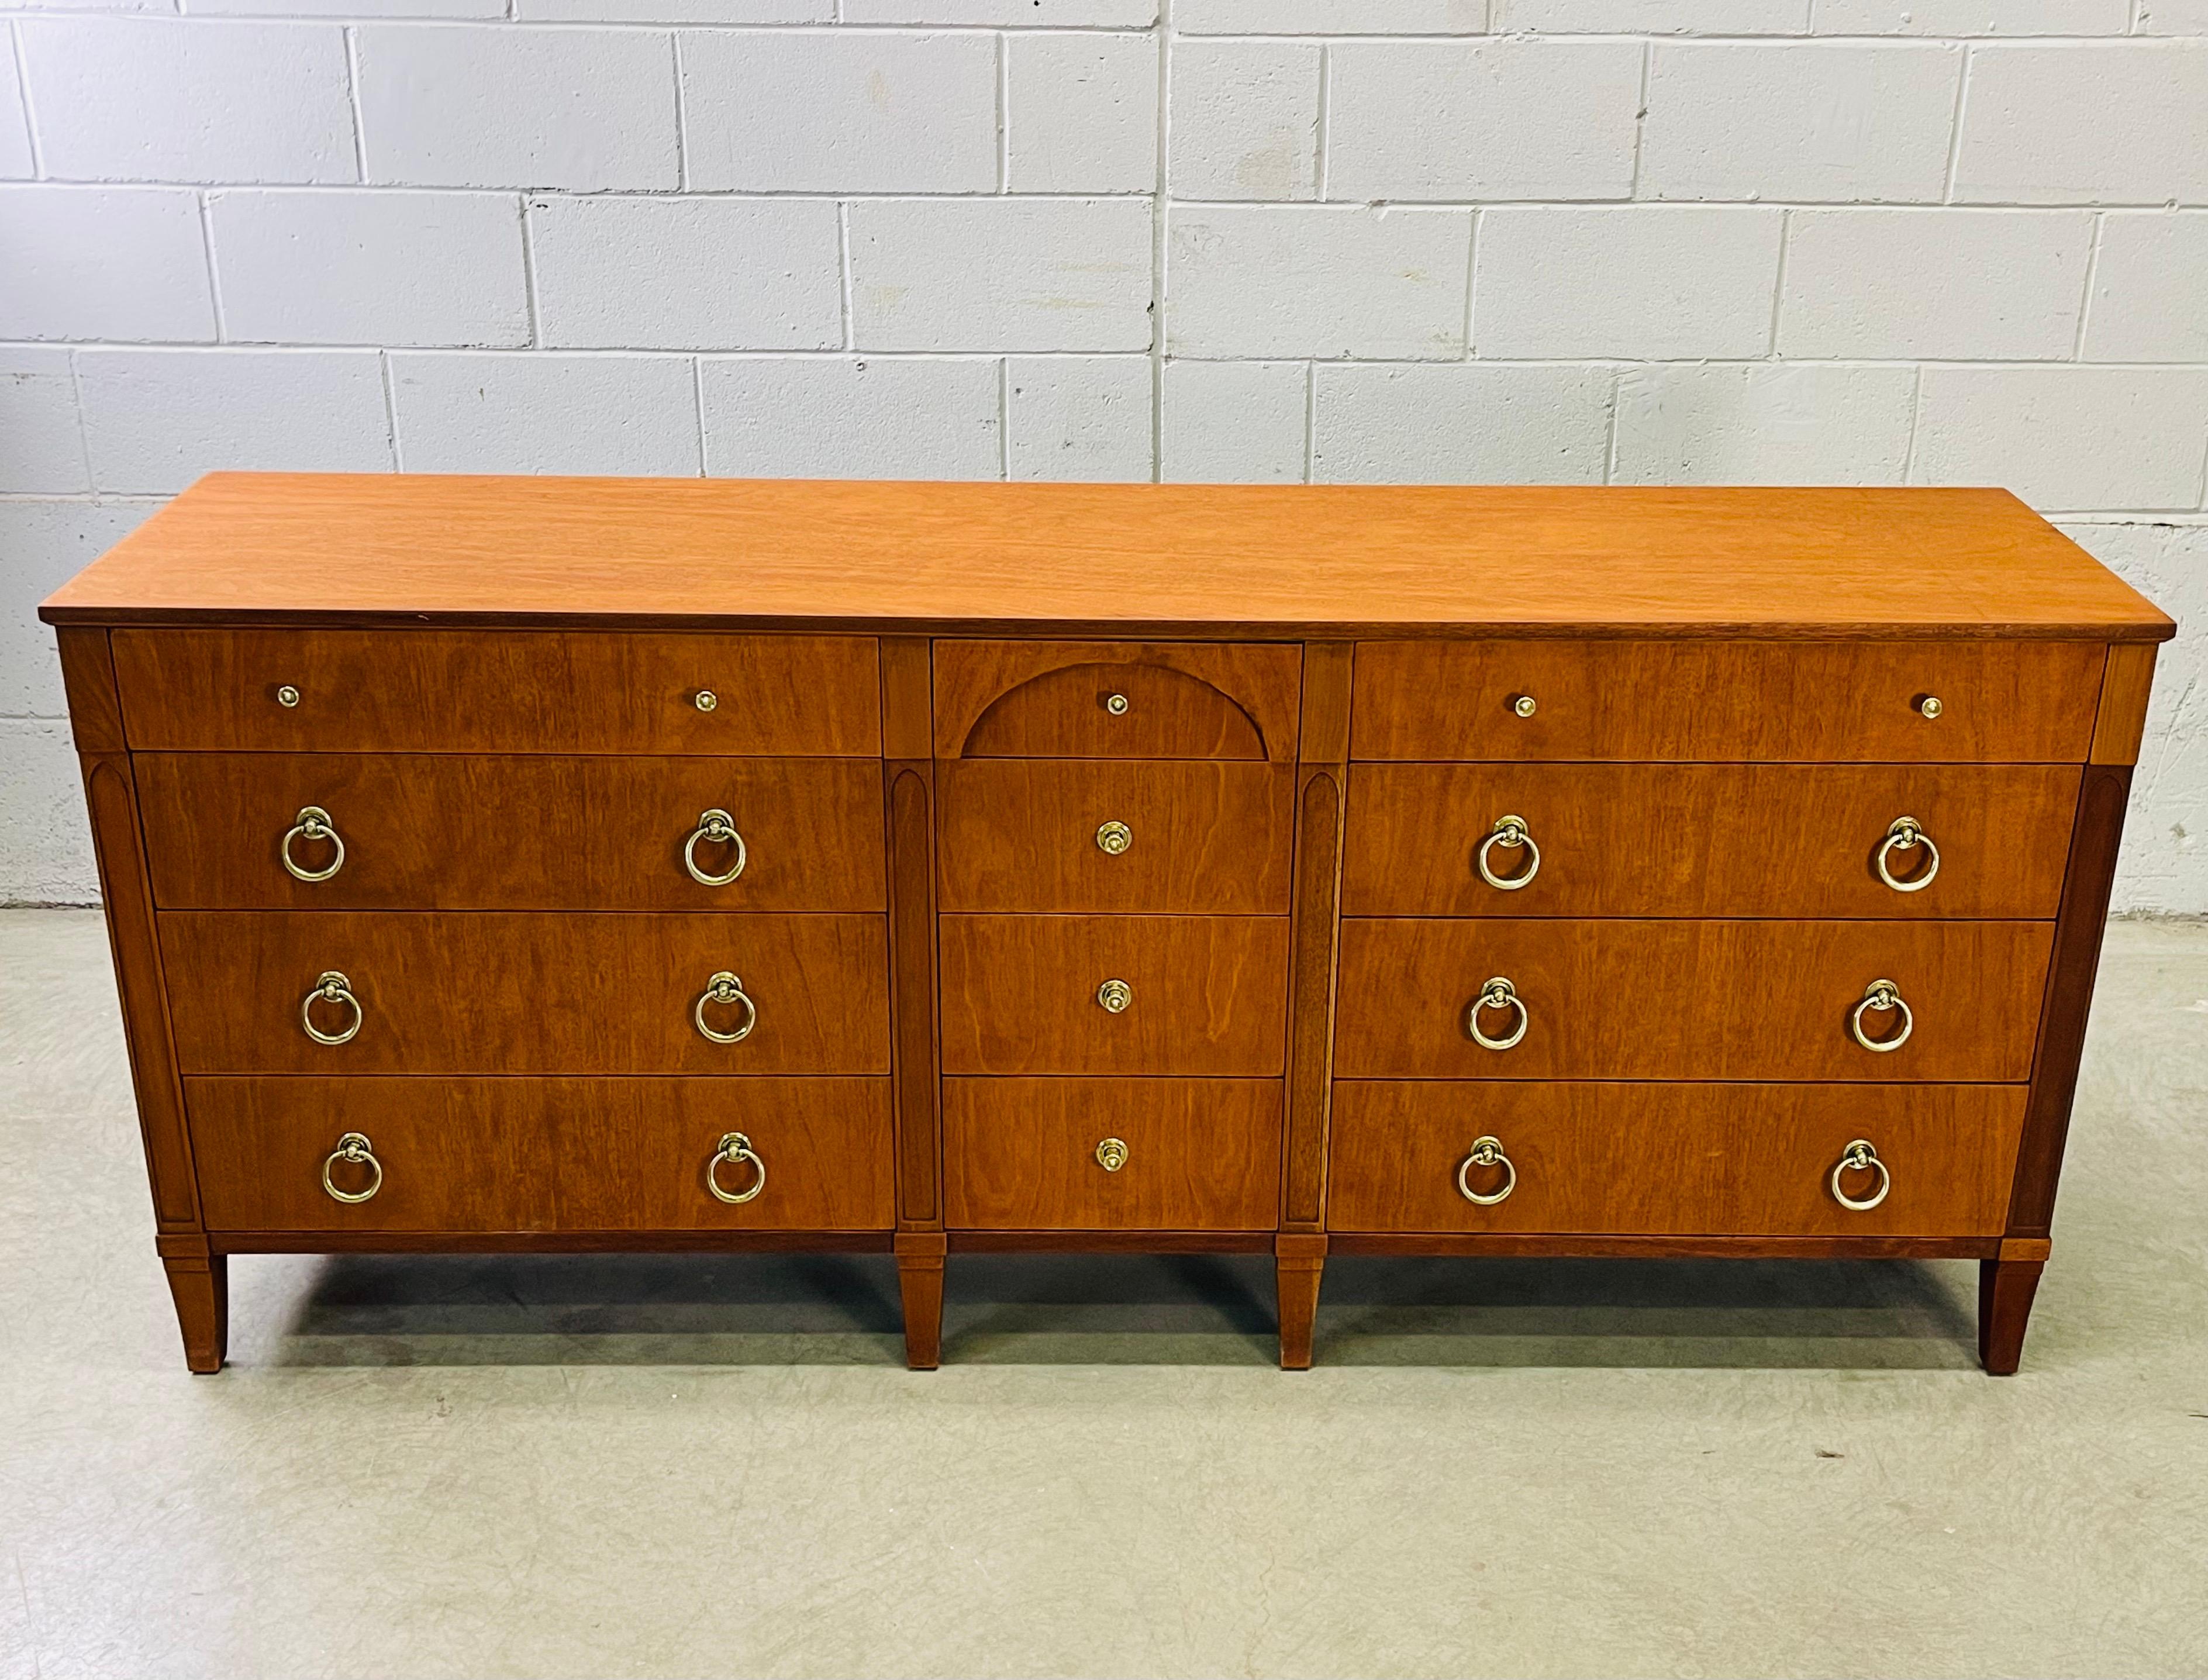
670	1467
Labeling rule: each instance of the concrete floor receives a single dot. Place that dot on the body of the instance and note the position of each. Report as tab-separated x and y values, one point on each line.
668	1466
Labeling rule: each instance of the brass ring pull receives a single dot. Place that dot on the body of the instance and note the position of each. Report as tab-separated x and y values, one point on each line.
736	1149
725	988
1860	1157
1497	994
1113	838
313	822
1485	1152
356	1149
1882	995
332	987
1113	996
1905	835
1112	1155
1510	831
719	828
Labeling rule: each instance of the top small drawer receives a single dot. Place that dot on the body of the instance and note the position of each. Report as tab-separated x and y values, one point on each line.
1761	702
1117	700
501	691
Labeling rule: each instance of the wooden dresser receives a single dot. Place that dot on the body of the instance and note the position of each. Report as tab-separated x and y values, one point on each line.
531	865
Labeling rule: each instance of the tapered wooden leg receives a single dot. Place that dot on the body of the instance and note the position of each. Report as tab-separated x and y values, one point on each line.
201	1284
920	1281
1297	1261
2005	1291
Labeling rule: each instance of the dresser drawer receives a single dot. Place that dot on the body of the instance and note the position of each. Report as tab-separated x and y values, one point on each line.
1707	840
1039	835
1673	1159
1028	1154
1117	700
493	992
1205	995
543	1154
1690	1000
1845	702
464	832
498	691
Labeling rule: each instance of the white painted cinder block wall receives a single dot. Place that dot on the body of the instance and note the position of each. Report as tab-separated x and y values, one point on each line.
1573	240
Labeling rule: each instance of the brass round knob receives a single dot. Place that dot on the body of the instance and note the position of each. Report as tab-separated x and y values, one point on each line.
287	696
1860	1157
1114	995
1884	996
1929	705
1522	704
736	1149
724	988
330	987
705	700
313	822
1510	832
718	828
1111	1154
1113	838
1905	835
1497	994
1116	704
357	1151
1485	1152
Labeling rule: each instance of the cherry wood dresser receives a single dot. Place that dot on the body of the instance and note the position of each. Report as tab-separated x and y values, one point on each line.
532	865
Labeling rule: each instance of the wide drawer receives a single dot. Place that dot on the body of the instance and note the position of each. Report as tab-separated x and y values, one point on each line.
1690	1000
1117	700
498	691
1205	995
1707	840
543	1154
494	993
467	833
1030	1154
1841	702
1705	1160
1039	835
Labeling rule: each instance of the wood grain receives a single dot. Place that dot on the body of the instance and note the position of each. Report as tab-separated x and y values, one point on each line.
498	992
2005	1290
95	712
1019	835
1019	994
1692	700
1046	699
1202	1155
1763	1000
1108	560
428	831
1673	1159
435	691
1316	946
1708	840
1515	1244
2125	689
543	1154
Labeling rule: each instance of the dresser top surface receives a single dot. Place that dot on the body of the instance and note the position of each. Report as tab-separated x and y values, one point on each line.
1104	560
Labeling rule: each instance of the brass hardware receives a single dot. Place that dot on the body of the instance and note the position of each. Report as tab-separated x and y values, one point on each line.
313	822
1522	704
1116	704
720	828
736	1149
1111	1154
1882	995
1497	994
1860	1157
1508	832
1929	705
1906	835
1114	995
725	988
356	1149
287	696
332	987
1113	838
705	700
1485	1152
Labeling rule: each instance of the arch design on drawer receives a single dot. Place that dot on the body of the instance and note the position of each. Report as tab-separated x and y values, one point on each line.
1057	699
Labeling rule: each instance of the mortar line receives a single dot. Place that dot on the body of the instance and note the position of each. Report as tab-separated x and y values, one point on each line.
1160	203
352	101
1320	170
681	118
1310	419
2085	300
1640	114
529	274
843	263
23	93
1779	281
390	409
1003	92
1955	126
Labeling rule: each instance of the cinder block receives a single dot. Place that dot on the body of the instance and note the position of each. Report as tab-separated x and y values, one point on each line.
127	99
687	273
1654	17
2150	289
43	544
1081	113
1487	119
41	444
863	111
1026	14
15	164
1320	280
2173	17
1079	418
45	842
536	413
103	262
1817	121
369	268
2067	439
1764	424
676	11
1948	284
1973	17
337	8
1001	274
507	105
859	418
1654	281
156	419
2086	123
1244	121
1330	17
1235	423
1468	425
